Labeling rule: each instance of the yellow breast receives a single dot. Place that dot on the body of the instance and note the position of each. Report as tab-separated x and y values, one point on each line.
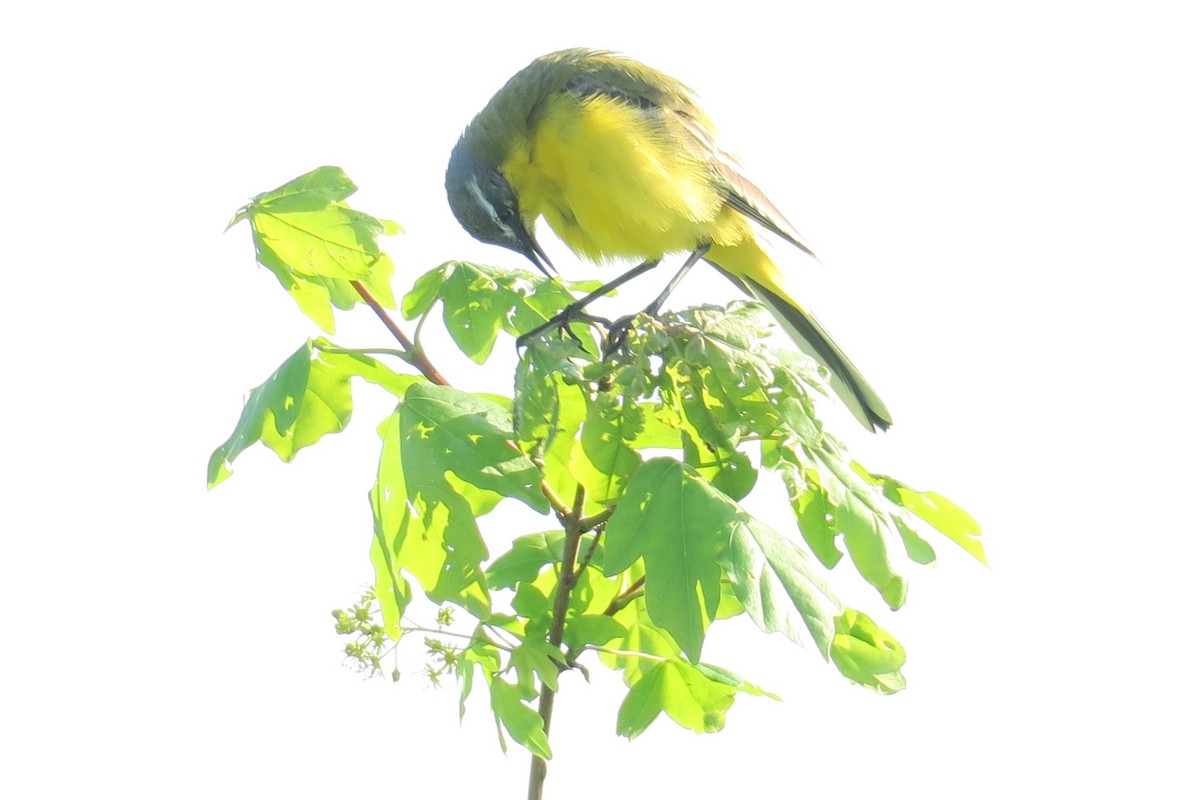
615	181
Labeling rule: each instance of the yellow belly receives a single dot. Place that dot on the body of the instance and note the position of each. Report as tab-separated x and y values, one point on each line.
615	182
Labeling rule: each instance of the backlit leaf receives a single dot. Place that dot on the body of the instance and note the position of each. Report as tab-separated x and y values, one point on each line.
677	523
867	654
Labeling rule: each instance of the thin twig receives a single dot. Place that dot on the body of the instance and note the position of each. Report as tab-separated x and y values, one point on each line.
612	651
591	523
413	354
625	597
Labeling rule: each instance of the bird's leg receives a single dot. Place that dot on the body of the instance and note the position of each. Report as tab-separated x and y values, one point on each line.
620	328
696	255
572	312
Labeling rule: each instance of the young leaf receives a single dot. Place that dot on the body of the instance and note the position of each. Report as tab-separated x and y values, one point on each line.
427	527
867	654
479	301
361	365
305	399
711	431
738	683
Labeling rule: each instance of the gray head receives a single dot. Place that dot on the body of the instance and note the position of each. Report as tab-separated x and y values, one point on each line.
486	205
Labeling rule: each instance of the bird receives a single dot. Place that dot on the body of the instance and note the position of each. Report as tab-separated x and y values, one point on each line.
621	163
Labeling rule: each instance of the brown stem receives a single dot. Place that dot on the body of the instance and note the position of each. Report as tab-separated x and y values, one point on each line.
567	578
415	355
625	597
591	523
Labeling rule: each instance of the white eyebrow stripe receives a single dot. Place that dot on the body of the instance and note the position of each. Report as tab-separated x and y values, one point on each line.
474	188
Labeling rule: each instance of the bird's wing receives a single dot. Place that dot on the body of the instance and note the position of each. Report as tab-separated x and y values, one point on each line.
657	93
741	194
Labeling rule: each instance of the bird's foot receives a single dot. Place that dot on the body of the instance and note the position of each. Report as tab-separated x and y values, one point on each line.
562	322
618	332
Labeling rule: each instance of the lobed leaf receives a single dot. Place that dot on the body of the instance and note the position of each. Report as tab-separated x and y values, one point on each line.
777	586
524	561
940	513
305	399
480	301
677	523
604	459
683	691
522	722
449	430
315	244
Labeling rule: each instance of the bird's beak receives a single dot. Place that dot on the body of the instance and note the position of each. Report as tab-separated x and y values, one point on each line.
533	251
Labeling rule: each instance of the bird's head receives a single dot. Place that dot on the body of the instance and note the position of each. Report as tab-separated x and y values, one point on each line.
486	205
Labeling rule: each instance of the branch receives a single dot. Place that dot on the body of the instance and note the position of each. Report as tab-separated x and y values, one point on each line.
413	354
567	579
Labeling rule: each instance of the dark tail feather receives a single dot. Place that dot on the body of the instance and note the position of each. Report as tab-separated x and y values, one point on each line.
810	337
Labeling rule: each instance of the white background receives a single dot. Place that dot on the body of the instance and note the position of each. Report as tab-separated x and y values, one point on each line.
1005	204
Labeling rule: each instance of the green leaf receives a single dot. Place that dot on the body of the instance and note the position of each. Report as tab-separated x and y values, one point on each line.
730	606
593	590
865	522
549	404
778	586
424	522
604	459
361	365
867	654
809	504
710	430
941	514
678	524
388	498
440	544
479	301
537	657
917	548
525	560
449	430
685	693
522	722
533	603
306	398
738	683
487	658
594	629
641	636
315	244
656	433
424	293
474	308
